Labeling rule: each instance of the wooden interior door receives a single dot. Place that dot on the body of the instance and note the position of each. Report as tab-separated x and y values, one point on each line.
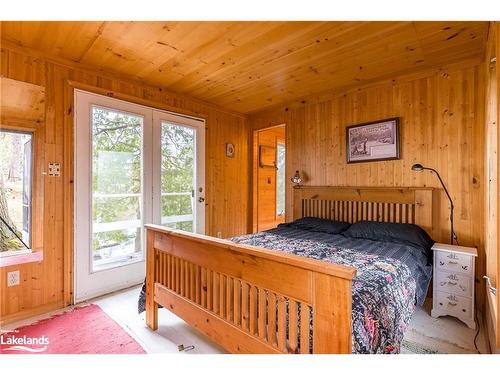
269	150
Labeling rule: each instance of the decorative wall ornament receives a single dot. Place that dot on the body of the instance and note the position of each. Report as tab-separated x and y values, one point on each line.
230	150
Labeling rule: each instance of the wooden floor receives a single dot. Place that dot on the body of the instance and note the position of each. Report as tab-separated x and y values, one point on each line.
442	335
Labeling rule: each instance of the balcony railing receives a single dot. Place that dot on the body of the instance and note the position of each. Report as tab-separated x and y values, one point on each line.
135	223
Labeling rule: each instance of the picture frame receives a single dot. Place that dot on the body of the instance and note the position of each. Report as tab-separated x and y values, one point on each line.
230	150
373	141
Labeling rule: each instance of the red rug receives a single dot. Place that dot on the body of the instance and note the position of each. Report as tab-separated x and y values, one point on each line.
84	330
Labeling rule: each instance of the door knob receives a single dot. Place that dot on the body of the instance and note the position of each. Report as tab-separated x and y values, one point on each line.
201	199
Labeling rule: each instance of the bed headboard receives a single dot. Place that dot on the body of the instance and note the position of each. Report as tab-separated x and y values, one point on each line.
351	204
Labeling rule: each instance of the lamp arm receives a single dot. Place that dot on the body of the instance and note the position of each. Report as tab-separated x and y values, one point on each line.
442	184
452	234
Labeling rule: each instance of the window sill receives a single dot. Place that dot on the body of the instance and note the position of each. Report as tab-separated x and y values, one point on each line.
20	257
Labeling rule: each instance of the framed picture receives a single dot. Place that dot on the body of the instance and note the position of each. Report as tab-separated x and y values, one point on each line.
372	141
229	150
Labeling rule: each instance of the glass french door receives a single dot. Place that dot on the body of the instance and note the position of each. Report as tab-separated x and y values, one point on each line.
180	176
133	165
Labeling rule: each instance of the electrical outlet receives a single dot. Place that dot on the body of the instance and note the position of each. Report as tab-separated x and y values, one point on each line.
13	278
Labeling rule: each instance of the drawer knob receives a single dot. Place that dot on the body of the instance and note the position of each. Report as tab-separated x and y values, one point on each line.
452	283
452	262
452	303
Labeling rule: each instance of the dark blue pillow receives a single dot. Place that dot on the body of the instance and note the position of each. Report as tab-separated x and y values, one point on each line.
315	224
408	234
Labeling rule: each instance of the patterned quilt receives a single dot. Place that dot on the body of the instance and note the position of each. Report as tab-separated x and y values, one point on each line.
384	290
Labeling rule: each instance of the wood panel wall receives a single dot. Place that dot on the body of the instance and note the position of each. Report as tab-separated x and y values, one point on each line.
491	172
442	126
47	285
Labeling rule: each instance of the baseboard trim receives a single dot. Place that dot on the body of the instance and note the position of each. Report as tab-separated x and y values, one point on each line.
25	314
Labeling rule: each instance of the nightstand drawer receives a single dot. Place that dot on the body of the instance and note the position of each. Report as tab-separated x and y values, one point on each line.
454	304
454	262
454	282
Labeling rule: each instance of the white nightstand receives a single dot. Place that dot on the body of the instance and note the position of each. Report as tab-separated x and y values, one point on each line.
453	286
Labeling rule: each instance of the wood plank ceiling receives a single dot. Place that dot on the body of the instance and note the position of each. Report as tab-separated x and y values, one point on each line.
248	66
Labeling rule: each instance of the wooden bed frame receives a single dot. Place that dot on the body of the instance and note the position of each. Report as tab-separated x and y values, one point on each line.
252	300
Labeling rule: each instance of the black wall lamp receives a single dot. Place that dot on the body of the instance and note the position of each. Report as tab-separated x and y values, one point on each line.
419	168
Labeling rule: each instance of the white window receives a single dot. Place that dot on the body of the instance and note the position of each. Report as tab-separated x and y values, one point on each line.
15	191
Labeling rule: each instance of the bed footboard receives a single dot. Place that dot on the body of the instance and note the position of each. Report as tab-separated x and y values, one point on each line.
249	299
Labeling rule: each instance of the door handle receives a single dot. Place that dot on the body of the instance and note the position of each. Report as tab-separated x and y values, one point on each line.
201	199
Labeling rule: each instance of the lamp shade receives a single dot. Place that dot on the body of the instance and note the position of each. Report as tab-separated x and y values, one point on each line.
417	167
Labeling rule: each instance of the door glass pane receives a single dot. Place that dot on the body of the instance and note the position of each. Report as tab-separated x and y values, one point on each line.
116	188
178	176
280	179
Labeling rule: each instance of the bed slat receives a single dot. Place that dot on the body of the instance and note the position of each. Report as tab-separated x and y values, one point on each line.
237	302
281	326
304	329
292	326
262	318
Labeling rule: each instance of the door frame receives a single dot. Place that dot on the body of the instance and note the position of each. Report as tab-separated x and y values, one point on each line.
69	87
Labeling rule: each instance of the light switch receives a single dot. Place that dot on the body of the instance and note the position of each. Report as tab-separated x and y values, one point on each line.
54	169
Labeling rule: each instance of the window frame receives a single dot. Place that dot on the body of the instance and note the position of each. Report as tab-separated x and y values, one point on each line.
35	253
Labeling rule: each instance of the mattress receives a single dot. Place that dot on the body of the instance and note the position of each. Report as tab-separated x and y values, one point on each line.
418	260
